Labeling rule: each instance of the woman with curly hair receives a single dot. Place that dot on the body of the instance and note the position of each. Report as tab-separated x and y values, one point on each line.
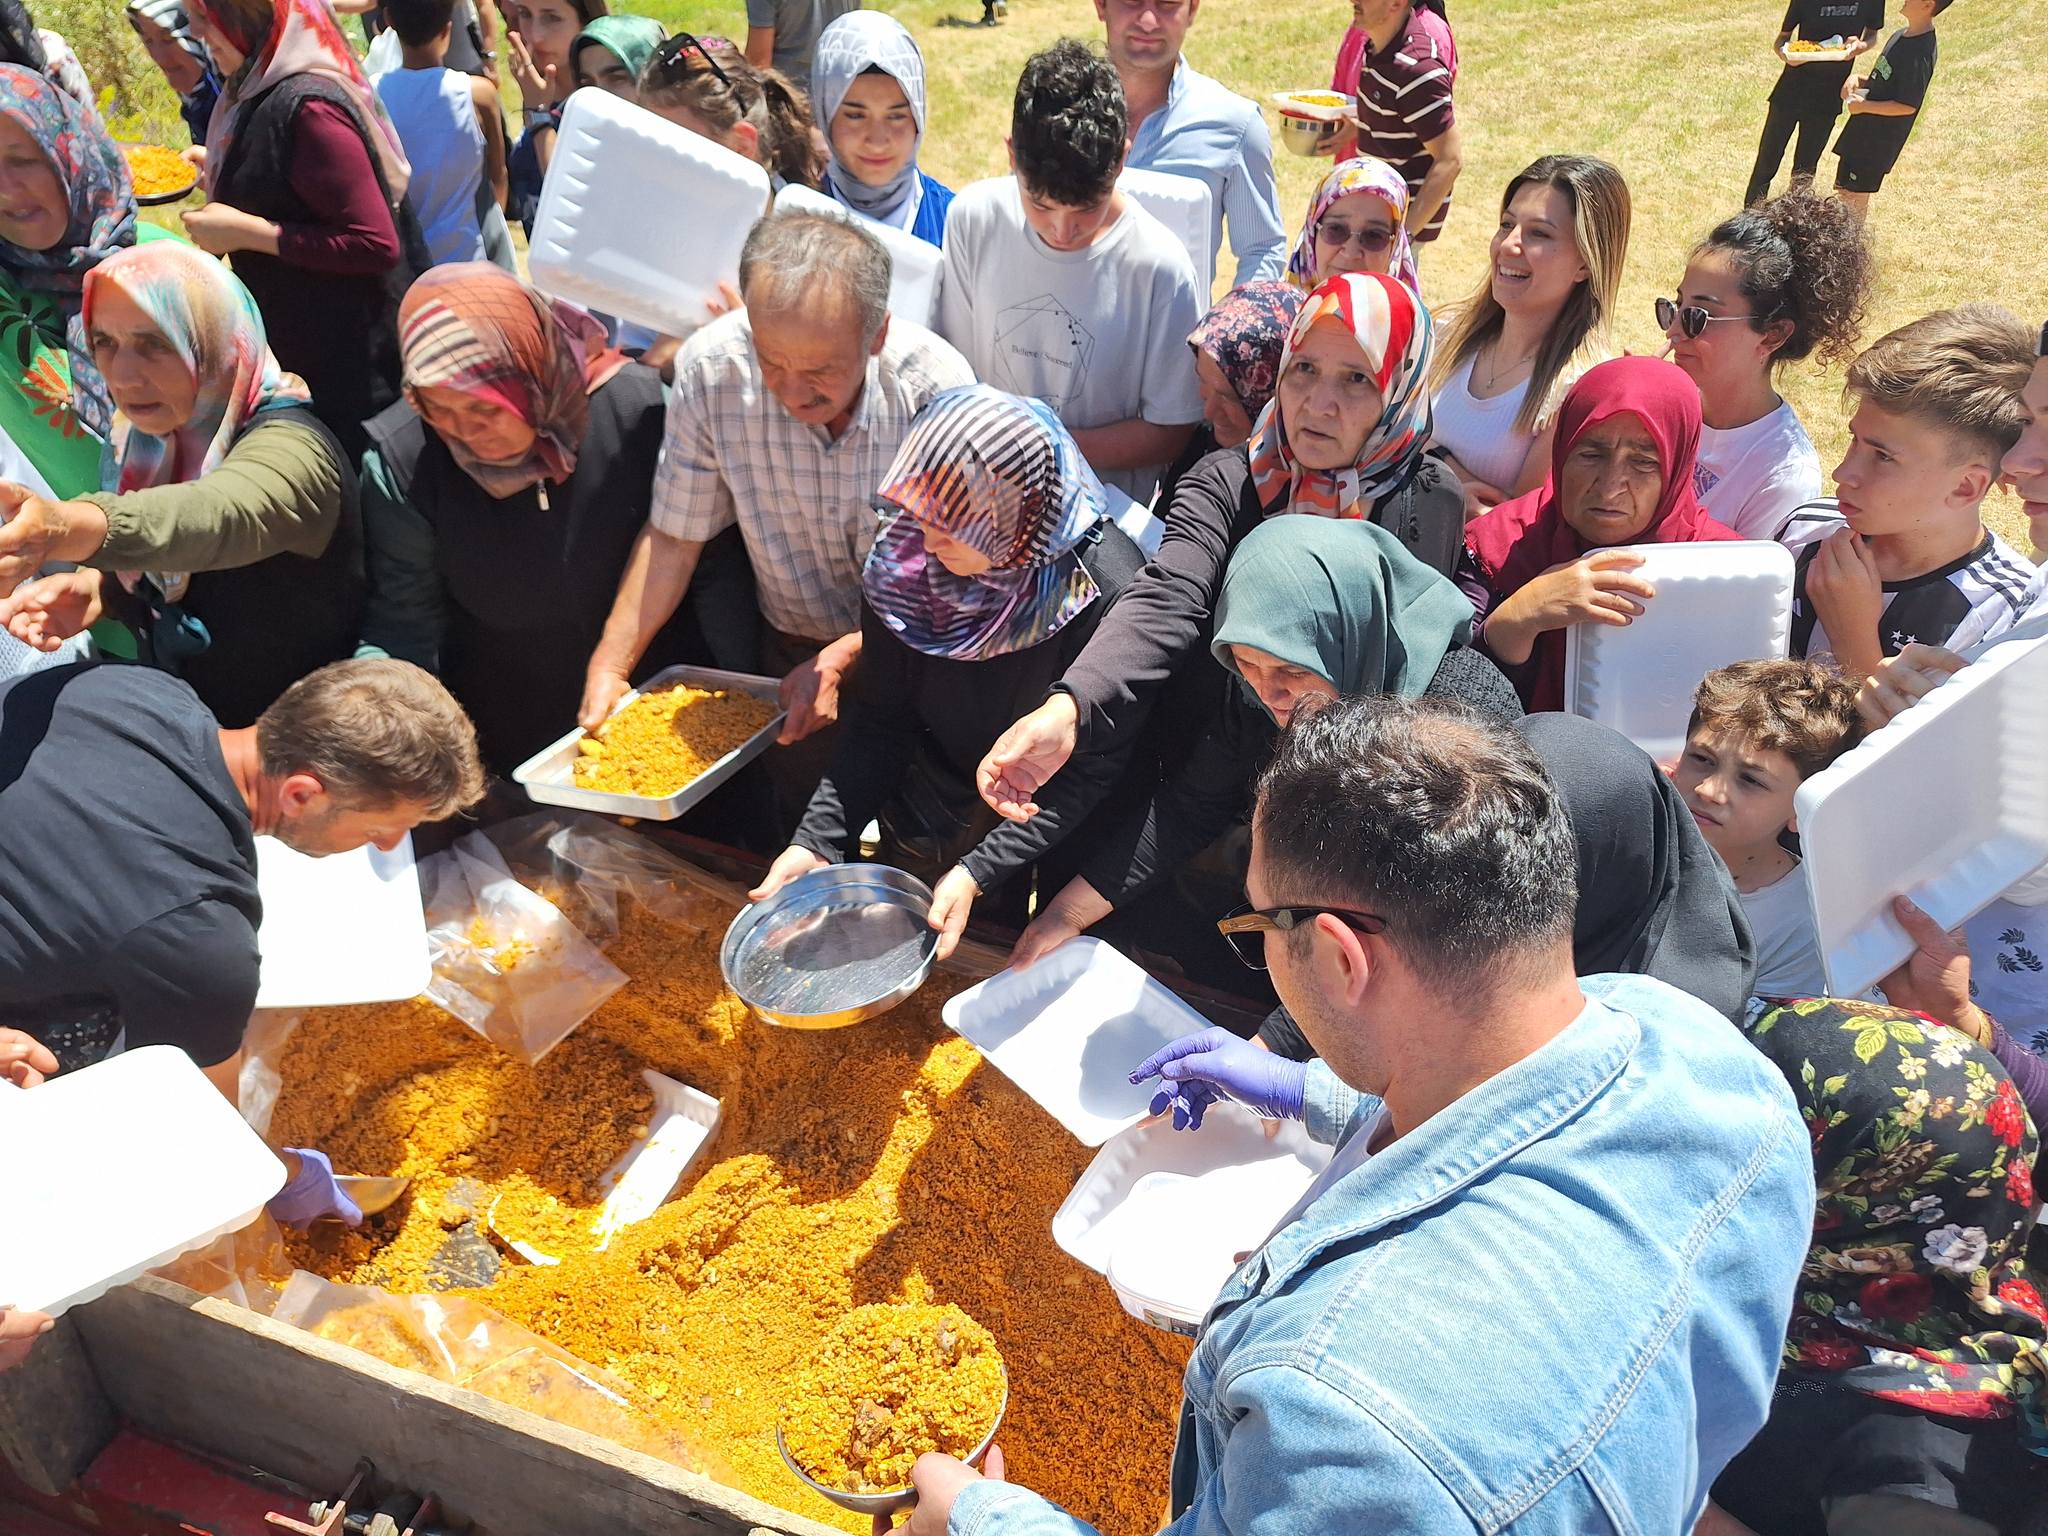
1775	284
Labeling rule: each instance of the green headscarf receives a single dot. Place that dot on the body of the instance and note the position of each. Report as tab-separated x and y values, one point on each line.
1344	600
632	38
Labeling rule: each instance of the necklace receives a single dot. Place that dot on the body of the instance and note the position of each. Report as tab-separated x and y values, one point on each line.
1494	371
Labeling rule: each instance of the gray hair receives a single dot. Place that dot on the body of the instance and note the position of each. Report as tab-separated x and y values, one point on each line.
791	256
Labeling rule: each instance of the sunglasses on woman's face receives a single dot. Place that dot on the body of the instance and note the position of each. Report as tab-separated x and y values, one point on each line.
1246	928
678	53
1690	318
1372	239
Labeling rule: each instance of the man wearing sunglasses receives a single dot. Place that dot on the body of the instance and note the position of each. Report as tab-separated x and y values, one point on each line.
1543	1283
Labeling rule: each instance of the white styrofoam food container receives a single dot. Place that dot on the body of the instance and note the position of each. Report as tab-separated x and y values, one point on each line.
549	775
1069	1031
1947	805
915	266
345	929
1181	203
1716	603
117	1168
639	217
1163	1214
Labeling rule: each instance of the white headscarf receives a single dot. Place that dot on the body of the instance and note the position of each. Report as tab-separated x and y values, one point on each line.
849	47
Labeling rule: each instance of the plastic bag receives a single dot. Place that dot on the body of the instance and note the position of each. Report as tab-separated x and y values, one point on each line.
507	962
248	1267
588	865
263	1044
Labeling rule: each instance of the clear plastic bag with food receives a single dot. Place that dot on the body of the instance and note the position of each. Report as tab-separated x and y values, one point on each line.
507	962
249	1268
590	865
391	1328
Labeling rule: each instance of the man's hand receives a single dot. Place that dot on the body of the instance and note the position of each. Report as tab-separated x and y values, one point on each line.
311	1193
24	1060
603	686
1848	595
35	530
811	692
1027	755
20	1330
1935	980
938	1481
1197	1070
951	903
1903	680
50	610
789	864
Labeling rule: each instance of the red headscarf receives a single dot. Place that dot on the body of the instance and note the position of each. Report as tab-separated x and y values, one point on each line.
1521	539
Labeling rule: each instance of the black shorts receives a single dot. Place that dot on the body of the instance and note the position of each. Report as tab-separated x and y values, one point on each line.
1859	175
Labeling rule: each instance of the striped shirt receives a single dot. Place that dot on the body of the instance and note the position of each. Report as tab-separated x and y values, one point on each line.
1404	100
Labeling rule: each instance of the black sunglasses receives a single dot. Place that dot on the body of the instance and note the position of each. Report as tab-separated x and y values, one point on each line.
670	56
1692	319
1246	928
1341	235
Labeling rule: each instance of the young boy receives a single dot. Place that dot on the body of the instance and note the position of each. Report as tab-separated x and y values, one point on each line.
1759	729
1059	286
452	130
1938	403
1883	107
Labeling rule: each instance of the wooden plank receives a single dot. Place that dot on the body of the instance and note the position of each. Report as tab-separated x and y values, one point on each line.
245	1388
54	1417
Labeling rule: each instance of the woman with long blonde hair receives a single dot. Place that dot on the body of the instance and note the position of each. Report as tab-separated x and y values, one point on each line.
1539	320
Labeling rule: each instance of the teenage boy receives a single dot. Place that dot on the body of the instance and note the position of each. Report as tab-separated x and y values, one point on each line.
1186	124
1059	286
1884	105
1938	404
1759	730
452	130
1808	95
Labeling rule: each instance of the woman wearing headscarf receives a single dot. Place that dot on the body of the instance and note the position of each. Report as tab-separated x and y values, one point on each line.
38	48
611	51
166	36
867	87
305	182
501	500
1911	1393
1237	351
1310	608
1355	224
229	538
995	562
1621	468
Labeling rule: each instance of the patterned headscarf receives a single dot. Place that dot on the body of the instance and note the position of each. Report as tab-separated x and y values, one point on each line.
1916	1287
1245	334
472	326
170	15
1392	329
1000	475
96	185
1363	173
853	44
303	39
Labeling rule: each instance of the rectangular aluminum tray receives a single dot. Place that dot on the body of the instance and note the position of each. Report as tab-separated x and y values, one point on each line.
548	776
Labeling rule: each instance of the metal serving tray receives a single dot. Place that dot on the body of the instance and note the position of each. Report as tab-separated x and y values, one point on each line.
549	775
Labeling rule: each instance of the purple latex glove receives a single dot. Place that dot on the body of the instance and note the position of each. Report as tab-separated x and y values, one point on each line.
1197	1070
312	1193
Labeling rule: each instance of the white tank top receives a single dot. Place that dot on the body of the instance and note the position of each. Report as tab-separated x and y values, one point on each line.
1482	432
436	121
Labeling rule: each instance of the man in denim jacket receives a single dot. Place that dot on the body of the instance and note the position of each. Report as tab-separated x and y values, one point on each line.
1544	1283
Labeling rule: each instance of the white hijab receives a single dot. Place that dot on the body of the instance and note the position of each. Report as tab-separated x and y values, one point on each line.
853	44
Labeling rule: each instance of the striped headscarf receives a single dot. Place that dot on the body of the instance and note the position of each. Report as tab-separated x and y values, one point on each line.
1363	173
472	326
999	474
211	322
1392	329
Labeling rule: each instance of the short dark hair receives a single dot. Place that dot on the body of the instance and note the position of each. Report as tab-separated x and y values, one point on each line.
1067	128
1439	821
419	22
374	732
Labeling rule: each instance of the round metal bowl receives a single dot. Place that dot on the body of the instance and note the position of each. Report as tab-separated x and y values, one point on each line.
1306	136
831	948
898	1498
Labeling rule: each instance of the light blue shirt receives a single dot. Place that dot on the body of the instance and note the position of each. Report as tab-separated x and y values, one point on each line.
1211	133
1554	1307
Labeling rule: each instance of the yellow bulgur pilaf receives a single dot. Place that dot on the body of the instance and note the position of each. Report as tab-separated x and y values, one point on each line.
661	741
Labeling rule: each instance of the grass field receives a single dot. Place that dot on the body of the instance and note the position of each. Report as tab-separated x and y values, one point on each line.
1672	94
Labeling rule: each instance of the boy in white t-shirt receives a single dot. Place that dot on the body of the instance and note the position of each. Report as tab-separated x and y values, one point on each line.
1060	287
1759	730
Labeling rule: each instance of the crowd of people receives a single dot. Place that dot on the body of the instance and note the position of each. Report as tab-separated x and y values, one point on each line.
1104	604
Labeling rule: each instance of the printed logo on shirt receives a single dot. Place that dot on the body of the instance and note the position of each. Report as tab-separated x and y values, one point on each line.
1043	350
1703	479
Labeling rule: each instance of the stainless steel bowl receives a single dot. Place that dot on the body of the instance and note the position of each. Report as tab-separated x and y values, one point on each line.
831	948
1306	136
896	1498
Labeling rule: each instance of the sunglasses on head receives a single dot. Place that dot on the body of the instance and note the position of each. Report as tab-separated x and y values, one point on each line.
1246	928
1691	319
1371	239
675	55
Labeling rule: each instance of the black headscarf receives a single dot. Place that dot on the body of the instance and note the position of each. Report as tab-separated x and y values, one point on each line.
19	43
1654	899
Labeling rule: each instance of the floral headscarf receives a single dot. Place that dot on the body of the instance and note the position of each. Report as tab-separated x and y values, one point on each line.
1245	334
853	44
1002	476
211	321
1916	1288
472	326
1391	327
96	185
1362	173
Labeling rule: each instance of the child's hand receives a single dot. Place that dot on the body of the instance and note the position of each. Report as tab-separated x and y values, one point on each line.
1845	588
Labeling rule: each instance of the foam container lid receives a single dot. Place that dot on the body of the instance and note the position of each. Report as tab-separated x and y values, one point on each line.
349	928
1716	603
1181	203
915	266
1947	805
118	1168
639	217
1070	1029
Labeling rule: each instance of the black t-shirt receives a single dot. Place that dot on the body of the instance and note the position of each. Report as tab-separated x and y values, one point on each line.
1815	21
1902	73
129	877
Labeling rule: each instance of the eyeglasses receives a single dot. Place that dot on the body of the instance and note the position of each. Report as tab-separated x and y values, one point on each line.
1371	239
1245	929
1692	319
670	56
